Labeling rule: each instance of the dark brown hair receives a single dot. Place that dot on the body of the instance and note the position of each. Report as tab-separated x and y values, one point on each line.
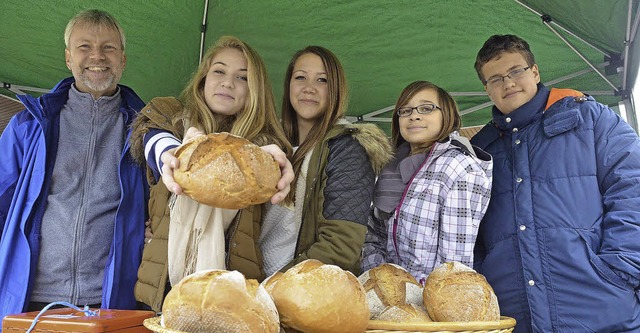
336	106
496	45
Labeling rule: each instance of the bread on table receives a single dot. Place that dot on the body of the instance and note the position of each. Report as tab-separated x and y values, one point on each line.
226	171
455	292
316	298
391	286
219	301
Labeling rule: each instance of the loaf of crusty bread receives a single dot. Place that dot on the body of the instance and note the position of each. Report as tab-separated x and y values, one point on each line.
316	298
226	171
270	281
404	313
389	285
219	301
455	292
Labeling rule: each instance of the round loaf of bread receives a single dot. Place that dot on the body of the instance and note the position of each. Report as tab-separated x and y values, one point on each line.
226	171
404	313
389	285
316	298
219	301
270	281
455	292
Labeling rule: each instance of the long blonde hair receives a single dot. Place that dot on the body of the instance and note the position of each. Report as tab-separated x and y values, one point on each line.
257	121
338	98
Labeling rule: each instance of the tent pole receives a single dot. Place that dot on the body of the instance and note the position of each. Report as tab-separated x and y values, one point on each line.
377	112
476	108
203	29
571	76
482	93
18	90
454	93
353	119
564	29
627	44
636	22
626	95
581	56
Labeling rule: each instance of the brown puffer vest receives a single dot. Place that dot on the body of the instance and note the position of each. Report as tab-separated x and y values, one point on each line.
243	252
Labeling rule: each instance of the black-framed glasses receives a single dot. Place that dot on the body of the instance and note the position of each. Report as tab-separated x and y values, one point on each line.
499	79
421	109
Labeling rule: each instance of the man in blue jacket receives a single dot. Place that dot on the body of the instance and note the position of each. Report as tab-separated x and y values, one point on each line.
72	201
560	242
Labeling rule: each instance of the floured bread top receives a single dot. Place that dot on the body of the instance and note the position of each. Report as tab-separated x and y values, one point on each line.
226	171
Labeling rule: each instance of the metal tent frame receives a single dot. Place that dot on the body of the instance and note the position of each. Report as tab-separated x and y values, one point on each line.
626	105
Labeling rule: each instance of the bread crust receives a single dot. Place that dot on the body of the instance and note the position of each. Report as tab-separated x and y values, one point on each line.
226	171
389	285
219	301
455	292
404	313
316	298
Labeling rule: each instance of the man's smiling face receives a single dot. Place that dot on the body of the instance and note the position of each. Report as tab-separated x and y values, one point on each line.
96	58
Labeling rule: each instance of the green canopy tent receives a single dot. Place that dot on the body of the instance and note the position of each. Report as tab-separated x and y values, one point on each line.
384	45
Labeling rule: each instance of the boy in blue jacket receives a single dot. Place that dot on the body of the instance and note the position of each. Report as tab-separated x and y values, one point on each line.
560	240
72	201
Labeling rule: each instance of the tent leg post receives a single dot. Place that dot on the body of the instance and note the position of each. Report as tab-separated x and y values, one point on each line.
203	29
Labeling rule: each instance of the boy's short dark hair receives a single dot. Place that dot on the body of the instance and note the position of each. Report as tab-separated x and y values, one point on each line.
499	44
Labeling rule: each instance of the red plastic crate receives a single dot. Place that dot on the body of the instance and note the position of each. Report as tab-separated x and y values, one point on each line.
69	320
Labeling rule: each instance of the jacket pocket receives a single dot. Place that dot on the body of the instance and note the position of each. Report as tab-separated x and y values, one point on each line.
577	279
601	267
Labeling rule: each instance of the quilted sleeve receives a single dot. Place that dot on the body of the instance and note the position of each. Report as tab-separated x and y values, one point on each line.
350	182
347	197
618	158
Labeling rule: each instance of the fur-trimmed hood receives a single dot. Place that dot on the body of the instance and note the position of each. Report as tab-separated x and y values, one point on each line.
374	141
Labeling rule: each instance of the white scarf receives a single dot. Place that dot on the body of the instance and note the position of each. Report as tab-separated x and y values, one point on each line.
196	237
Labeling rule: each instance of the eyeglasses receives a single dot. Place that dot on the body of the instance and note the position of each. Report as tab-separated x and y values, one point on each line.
499	79
421	109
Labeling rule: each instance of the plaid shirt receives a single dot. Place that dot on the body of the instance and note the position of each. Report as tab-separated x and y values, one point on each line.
438	216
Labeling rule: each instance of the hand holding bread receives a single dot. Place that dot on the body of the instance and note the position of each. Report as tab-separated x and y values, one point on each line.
171	162
284	184
227	171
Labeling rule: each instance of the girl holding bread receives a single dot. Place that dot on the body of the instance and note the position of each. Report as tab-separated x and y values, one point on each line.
230	92
335	165
429	200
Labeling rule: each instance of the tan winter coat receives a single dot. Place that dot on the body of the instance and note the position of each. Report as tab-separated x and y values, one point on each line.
243	254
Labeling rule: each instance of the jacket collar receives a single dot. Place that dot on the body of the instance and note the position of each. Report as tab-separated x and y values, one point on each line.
519	118
523	115
50	104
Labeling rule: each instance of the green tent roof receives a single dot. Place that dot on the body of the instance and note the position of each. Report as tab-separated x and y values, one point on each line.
383	45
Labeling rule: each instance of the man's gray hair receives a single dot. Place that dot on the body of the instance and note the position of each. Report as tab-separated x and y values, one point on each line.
94	17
